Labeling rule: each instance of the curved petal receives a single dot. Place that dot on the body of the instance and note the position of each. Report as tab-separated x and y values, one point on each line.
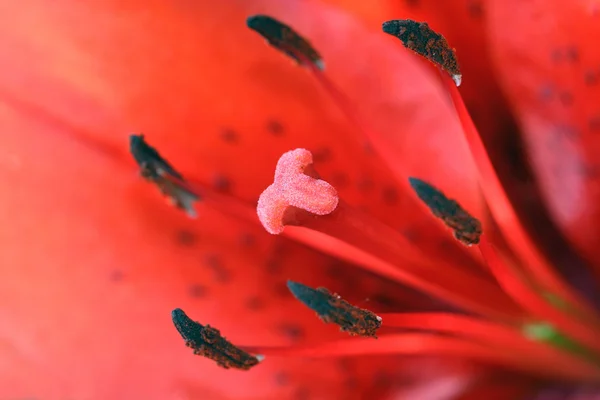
462	22
414	93
546	56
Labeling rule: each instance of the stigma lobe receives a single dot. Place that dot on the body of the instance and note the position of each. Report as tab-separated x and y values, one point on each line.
467	229
207	341
331	308
295	187
421	39
159	171
285	39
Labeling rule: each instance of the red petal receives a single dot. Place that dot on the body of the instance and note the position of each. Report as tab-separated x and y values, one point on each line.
546	55
93	260
93	265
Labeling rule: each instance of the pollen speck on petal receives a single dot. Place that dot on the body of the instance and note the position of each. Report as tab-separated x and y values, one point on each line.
331	308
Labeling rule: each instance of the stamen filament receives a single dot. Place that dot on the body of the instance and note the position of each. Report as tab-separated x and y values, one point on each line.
506	216
344	104
527	297
506	338
348	234
343	234
429	344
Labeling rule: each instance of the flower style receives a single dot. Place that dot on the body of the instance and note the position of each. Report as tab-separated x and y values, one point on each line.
94	262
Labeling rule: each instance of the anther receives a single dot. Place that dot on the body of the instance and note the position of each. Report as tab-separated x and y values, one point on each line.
159	171
331	308
207	341
296	187
150	161
467	229
285	39
420	38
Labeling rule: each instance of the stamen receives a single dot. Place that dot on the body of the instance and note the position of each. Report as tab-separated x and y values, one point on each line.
331	308
356	237
526	340
420	38
208	342
292	190
363	134
502	209
285	39
159	171
467	229
526	294
429	344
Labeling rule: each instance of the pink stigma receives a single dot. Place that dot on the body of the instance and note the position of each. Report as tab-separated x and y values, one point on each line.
295	187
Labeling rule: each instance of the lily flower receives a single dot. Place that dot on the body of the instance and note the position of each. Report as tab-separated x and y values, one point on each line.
94	262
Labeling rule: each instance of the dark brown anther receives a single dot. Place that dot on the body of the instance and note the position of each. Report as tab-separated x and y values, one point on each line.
151	163
420	38
467	229
285	39
207	341
331	308
157	170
